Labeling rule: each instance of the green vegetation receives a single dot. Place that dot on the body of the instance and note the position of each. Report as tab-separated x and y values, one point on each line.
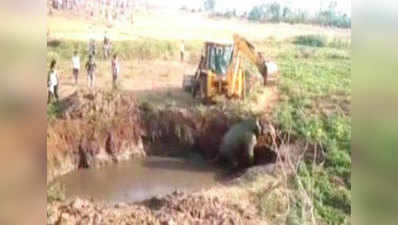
266	12
273	12
314	108
322	41
339	43
141	49
53	110
311	40
56	192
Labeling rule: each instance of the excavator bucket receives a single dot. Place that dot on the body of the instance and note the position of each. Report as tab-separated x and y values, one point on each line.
270	68
263	70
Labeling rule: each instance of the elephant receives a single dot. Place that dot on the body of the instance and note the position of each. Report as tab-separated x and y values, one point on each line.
237	146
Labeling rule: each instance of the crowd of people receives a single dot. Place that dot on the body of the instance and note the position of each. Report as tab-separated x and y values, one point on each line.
90	67
65	4
110	10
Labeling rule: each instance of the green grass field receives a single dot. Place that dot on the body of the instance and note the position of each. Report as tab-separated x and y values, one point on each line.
316	101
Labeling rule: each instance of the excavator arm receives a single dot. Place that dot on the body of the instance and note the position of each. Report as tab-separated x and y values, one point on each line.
244	47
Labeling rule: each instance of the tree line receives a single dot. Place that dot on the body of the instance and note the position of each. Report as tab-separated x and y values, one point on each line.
274	12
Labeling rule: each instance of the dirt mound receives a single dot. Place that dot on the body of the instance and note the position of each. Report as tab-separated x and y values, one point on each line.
180	208
93	129
85	104
177	208
81	211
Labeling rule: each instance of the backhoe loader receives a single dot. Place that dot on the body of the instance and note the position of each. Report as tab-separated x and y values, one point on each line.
220	71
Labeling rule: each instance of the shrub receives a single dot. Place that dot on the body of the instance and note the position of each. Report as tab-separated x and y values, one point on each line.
53	111
308	114
339	43
274	12
256	14
56	192
311	40
138	49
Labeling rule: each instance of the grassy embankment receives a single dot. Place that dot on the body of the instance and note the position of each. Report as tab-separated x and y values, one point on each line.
314	107
315	89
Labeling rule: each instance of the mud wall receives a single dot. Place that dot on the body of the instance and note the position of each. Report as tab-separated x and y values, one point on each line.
94	129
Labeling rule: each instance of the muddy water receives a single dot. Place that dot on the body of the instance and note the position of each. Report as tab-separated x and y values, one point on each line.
138	180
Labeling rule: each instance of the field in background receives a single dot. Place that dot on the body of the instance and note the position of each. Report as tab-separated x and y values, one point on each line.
176	25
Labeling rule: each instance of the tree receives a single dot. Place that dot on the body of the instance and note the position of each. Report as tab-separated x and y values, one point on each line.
209	5
256	14
266	12
274	11
328	17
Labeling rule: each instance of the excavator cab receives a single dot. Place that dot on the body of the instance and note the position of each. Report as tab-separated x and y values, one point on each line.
218	58
220	71
212	76
215	74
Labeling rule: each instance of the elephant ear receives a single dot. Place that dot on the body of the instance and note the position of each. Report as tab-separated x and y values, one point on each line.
264	127
258	129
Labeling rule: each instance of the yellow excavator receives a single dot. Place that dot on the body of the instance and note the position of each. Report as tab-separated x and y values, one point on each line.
220	71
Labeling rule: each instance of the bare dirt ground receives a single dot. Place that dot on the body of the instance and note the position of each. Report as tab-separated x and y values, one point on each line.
154	80
141	78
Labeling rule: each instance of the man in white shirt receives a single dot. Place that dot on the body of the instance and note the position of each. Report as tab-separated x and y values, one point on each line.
53	82
76	66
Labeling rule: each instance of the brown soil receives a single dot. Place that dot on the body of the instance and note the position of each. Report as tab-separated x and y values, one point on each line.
90	134
176	208
99	127
137	77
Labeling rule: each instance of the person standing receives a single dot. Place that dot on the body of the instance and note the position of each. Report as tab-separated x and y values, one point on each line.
182	51
76	66
52	82
91	46
90	67
115	69
107	45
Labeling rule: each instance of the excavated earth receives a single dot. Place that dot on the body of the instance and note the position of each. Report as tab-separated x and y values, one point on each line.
176	208
94	129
